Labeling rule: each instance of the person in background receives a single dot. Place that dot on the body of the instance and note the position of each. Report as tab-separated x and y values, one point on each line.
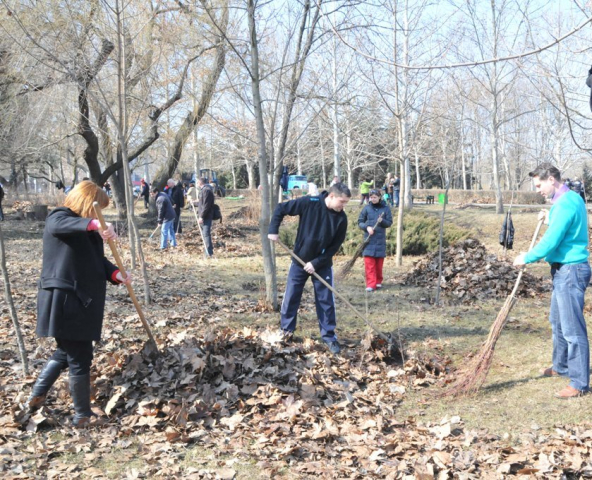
565	246
192	195
313	191
166	218
335	180
71	297
365	190
389	190
375	251
107	188
578	187
205	211
145	192
321	231
396	187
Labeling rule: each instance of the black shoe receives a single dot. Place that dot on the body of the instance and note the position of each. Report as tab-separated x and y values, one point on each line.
334	347
80	392
48	376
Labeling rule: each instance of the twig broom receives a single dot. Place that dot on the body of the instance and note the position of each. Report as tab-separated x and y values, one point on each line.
346	269
476	372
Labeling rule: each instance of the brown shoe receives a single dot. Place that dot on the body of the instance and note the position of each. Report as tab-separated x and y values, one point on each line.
549	372
569	392
36	402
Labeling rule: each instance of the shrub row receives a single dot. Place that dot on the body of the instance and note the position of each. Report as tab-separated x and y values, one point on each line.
454	196
420	234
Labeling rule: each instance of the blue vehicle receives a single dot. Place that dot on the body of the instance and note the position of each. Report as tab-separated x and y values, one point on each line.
212	178
297	181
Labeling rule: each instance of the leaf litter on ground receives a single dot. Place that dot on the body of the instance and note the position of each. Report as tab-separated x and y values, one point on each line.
293	409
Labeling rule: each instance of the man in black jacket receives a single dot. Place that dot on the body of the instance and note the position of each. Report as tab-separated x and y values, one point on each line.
177	195
321	231
205	210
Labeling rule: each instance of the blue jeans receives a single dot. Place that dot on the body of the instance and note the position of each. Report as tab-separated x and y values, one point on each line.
167	234
571	350
396	195
324	301
206	229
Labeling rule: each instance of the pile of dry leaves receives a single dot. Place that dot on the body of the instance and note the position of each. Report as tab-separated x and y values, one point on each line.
470	272
292	408
231	239
22	206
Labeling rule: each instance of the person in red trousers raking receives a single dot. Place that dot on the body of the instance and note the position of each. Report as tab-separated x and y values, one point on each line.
375	251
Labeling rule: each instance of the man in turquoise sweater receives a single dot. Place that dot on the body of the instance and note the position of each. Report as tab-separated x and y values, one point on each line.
565	246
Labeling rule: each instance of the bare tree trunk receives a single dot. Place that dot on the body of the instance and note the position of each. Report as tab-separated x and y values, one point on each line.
399	252
336	156
322	145
269	267
251	175
9	301
417	170
122	133
193	118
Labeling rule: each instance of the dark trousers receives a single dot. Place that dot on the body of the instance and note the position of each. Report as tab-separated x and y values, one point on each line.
177	225
1	212
206	229
75	355
324	301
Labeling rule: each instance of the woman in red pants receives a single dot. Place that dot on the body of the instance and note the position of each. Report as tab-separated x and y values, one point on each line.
375	251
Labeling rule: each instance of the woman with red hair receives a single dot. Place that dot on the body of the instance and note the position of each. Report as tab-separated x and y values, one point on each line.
72	290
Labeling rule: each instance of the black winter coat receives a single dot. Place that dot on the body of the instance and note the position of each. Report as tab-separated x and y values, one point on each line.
178	197
368	216
71	297
145	192
321	231
164	208
205	205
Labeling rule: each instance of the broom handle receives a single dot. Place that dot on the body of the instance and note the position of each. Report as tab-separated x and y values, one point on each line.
335	292
532	242
367	241
122	270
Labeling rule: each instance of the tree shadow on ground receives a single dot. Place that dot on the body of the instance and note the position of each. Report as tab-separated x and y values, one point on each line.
508	384
445	331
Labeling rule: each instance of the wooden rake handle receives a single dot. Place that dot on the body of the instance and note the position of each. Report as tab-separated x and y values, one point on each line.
122	270
335	292
155	230
532	242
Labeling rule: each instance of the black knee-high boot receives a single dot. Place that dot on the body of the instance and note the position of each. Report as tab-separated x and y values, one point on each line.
48	376
80	392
